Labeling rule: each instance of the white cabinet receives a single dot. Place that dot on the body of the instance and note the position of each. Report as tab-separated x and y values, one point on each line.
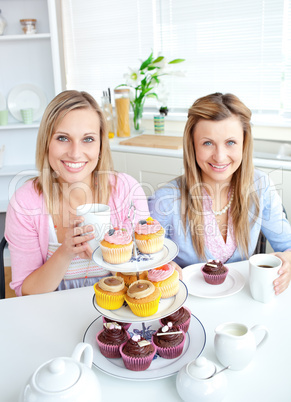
26	59
152	171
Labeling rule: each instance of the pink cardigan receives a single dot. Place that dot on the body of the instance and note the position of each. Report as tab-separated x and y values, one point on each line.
27	224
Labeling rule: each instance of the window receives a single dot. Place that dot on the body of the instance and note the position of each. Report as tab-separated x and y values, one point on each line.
243	47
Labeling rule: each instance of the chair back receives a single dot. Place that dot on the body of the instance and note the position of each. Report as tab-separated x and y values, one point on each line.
2	273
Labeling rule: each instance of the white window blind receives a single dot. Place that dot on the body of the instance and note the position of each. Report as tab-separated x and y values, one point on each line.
243	47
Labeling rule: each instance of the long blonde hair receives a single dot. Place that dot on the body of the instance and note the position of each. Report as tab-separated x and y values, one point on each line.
217	107
46	182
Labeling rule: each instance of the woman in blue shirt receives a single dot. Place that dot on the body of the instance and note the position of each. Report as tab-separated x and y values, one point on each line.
217	209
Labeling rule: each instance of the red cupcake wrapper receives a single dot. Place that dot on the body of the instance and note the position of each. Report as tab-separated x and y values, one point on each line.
185	325
213	279
171	352
137	363
125	326
109	351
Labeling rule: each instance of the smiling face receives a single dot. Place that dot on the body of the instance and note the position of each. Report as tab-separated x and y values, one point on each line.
219	148
75	146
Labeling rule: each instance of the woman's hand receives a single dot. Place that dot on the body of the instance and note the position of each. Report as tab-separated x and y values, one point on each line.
75	240
177	268
282	282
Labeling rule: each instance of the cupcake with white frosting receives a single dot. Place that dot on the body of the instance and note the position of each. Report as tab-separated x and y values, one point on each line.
143	298
110	292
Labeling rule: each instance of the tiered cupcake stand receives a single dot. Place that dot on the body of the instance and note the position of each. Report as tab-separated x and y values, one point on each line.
146	326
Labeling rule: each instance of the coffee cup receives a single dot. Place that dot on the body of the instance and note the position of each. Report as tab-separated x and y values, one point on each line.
98	216
263	270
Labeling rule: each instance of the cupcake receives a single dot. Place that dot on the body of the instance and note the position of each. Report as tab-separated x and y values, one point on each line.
110	292
143	298
110	338
165	278
137	353
116	247
180	318
169	341
124	325
149	236
130	277
214	272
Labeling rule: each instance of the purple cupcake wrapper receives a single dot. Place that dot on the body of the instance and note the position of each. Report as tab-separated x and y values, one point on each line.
185	325
124	326
137	363
109	351
213	279
171	352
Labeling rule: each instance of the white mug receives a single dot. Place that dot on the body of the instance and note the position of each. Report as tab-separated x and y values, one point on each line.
263	270
97	215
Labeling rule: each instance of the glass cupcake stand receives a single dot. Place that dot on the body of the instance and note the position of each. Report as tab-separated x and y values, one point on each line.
146	326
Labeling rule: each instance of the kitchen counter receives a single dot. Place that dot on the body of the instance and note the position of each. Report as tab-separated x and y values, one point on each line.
261	159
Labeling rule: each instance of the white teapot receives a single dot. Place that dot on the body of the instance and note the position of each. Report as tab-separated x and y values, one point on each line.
199	381
64	379
235	344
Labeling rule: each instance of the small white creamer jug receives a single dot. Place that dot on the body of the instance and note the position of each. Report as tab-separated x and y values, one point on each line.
235	344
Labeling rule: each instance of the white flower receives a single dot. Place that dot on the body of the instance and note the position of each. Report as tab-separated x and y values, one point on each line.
133	78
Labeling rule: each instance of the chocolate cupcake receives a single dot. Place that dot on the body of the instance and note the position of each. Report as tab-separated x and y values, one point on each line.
110	338
214	272
180	318
169	341
137	353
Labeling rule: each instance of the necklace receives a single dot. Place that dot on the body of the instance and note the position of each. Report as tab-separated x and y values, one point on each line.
223	210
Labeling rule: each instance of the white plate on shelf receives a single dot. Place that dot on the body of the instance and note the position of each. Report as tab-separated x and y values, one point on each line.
166	307
26	96
2	102
197	286
142	262
159	368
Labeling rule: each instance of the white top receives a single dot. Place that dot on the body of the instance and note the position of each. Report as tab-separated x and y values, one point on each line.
35	329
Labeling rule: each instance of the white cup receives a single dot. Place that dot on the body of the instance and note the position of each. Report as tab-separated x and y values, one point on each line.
263	270
97	215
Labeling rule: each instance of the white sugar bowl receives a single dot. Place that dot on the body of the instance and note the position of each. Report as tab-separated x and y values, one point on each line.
64	379
199	381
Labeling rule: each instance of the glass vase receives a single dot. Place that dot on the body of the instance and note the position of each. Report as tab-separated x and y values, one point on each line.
137	108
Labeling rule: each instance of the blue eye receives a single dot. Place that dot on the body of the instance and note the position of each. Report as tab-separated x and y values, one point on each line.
62	138
89	139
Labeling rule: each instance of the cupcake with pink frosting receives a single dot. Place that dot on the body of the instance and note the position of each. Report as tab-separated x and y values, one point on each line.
116	247
166	278
149	236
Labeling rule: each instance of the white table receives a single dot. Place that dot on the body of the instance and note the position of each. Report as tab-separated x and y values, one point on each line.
35	329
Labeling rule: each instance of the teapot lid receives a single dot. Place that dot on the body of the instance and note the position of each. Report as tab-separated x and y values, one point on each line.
201	368
57	375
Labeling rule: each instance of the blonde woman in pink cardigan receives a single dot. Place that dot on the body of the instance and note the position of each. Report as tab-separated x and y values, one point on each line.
49	251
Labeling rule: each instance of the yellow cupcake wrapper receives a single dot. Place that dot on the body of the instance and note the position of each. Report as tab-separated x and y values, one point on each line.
109	302
144	309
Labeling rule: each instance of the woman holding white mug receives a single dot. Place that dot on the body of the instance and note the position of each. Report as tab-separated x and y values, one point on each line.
49	250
